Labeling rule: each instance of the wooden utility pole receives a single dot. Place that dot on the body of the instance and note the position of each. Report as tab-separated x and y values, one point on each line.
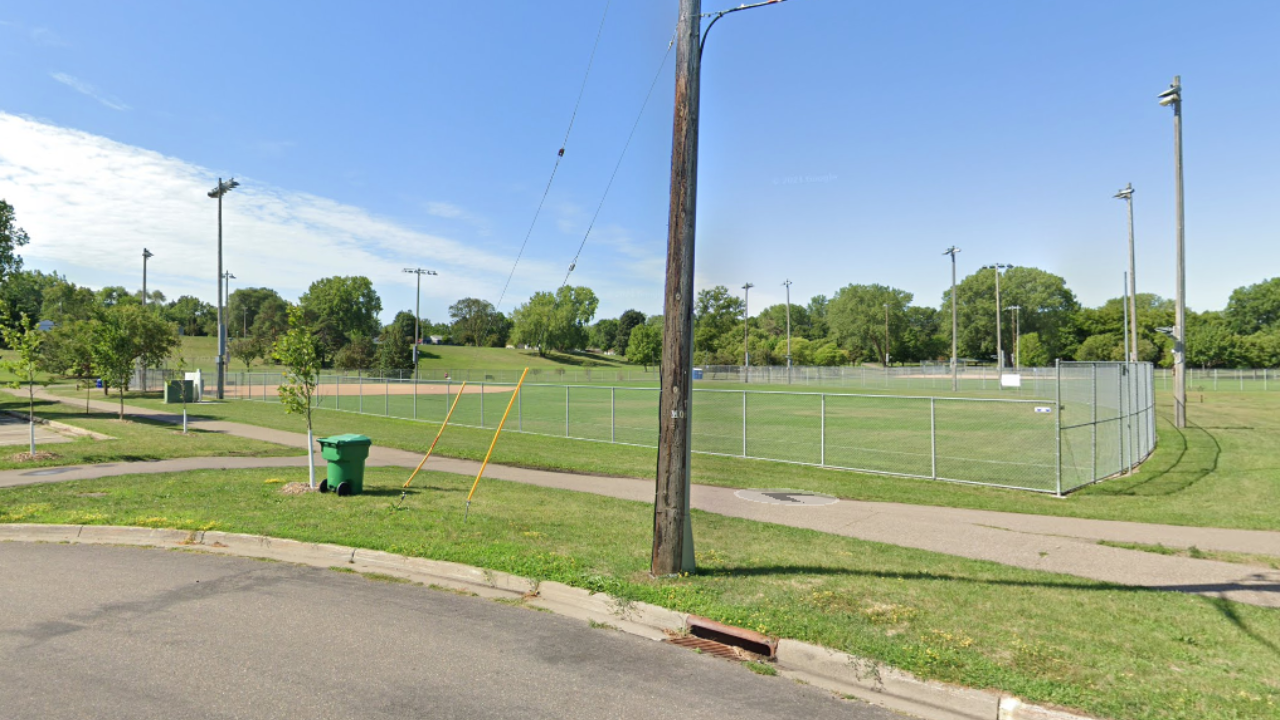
672	532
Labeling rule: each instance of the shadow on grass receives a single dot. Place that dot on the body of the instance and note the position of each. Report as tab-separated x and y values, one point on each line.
1196	458
1228	610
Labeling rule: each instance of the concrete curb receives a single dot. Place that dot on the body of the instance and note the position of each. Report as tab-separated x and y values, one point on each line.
60	427
822	667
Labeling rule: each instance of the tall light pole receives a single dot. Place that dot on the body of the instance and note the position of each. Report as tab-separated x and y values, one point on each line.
787	285
146	255
886	336
1127	195
954	325
1017	336
1173	96
222	189
417	316
672	533
225	329
1124	301
999	345
746	329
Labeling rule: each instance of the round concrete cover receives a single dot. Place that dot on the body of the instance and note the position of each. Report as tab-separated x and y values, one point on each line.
786	497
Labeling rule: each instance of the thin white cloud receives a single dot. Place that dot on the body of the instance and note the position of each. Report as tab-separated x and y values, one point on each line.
85	88
91	204
451	211
445	210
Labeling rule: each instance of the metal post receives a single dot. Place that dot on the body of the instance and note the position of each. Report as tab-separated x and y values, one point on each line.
1093	420
482	394
788	286
222	340
744	423
520	411
1124	302
360	380
1058	425
822	430
566	411
415	393
746	326
955	380
386	396
613	414
1173	96
933	437
1120	415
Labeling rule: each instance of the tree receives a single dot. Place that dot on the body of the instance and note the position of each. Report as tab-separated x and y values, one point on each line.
626	322
65	301
395	345
12	237
298	351
244	305
24	340
340	307
1102	348
1049	308
22	293
270	322
604	334
245	349
857	319
113	295
716	313
1031	352
358	354
67	349
192	315
475	322
644	347
1254	308
114	351
555	322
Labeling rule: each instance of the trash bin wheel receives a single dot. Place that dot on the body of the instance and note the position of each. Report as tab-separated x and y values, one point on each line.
344	489
324	486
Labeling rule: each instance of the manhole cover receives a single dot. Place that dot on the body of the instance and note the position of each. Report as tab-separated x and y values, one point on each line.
50	471
786	497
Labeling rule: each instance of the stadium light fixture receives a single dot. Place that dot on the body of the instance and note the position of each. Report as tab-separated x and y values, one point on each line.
217	192
955	381
1173	98
999	346
417	317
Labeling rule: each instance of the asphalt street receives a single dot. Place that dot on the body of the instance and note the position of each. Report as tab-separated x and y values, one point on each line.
114	632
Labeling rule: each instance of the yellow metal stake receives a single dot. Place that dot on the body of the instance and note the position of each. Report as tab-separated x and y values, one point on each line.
427	457
493	444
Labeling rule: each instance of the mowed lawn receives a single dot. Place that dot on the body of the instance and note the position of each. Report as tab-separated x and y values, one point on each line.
1218	472
1117	652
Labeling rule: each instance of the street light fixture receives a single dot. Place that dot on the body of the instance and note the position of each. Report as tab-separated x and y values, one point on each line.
954	325
999	345
146	255
787	285
1127	195
222	189
417	316
1173	97
746	325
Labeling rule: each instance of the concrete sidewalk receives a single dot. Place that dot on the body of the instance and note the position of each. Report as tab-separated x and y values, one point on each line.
1053	544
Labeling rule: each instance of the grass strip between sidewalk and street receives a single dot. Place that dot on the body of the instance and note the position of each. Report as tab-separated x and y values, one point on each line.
1118	652
1218	472
132	440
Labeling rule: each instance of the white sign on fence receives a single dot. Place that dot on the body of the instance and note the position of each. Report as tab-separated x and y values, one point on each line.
1043	409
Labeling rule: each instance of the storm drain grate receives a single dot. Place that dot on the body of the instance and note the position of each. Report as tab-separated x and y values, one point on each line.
711	647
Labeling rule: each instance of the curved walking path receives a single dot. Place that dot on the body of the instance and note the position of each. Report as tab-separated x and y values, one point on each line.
1053	544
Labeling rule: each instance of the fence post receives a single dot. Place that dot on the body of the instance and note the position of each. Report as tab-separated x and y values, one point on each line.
1058	424
613	414
1093	422
482	393
520	411
337	392
744	423
415	398
566	411
822	430
1120	414
933	437
386	396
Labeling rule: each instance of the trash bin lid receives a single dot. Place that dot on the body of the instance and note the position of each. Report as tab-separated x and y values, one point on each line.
347	439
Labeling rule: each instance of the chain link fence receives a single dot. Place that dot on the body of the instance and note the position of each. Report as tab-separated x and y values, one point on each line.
1098	422
1224	379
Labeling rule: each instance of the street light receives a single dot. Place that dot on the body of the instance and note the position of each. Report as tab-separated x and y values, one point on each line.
746	321
787	285
1173	96
417	316
1127	195
1017	337
999	345
954	326
222	189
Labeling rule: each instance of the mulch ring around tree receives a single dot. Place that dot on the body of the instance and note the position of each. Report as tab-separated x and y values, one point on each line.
28	457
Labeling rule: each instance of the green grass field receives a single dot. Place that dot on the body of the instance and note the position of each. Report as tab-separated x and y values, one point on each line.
1117	652
1219	472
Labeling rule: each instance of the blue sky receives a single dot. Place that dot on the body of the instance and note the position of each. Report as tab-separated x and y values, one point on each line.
842	142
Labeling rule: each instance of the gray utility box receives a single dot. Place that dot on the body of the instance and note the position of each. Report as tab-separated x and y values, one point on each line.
175	390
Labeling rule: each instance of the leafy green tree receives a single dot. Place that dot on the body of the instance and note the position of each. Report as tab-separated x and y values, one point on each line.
65	301
113	295
244	305
626	322
193	316
299	352
604	334
270	321
817	312
1099	348
555	322
66	349
922	336
1049	309
245	349
22	293
114	351
395	345
717	314
1263	349
773	320
358	354
1254	308
12	237
857	317
1031	352
24	341
476	322
340	307
1210	341
644	347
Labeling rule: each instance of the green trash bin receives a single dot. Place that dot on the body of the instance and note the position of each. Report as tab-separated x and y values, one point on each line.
346	455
